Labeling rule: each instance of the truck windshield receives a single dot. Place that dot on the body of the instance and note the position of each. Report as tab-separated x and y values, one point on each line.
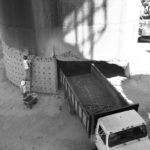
127	135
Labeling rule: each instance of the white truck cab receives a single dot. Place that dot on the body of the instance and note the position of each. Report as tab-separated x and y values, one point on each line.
122	131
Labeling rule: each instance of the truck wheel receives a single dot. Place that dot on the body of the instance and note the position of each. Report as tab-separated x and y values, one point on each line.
72	112
94	147
71	109
65	95
92	138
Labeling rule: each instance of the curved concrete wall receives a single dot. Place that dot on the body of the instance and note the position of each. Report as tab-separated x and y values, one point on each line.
44	77
13	64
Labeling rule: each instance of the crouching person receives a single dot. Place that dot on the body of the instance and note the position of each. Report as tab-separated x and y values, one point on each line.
25	88
29	98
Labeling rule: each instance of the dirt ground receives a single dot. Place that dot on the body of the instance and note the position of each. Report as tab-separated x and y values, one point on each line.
49	126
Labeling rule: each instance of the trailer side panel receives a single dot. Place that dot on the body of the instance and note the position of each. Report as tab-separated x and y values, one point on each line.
90	94
75	103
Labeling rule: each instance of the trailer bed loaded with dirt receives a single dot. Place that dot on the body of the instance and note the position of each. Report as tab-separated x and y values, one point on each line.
102	110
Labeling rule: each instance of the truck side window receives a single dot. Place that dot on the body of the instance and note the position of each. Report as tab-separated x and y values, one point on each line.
102	134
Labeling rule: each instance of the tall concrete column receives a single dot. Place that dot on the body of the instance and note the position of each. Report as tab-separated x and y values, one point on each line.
16	23
27	24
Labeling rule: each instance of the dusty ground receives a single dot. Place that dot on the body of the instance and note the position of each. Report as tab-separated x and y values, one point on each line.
49	126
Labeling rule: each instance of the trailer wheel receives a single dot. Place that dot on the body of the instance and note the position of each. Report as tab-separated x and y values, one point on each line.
94	148
92	138
71	109
65	95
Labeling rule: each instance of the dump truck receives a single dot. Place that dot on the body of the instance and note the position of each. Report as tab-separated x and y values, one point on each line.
110	121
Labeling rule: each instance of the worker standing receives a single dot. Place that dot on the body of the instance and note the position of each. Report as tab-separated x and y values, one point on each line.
26	83
29	98
27	67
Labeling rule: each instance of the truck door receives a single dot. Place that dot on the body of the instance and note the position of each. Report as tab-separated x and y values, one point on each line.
100	138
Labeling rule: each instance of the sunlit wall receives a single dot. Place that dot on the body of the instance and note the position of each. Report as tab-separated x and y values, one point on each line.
103	29
98	29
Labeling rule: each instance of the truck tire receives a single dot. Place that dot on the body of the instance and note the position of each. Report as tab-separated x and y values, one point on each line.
92	138
65	95
94	147
144	39
71	109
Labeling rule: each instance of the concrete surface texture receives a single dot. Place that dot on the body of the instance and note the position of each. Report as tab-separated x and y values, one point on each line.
44	70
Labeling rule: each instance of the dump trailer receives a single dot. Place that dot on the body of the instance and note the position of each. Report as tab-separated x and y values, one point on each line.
110	121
